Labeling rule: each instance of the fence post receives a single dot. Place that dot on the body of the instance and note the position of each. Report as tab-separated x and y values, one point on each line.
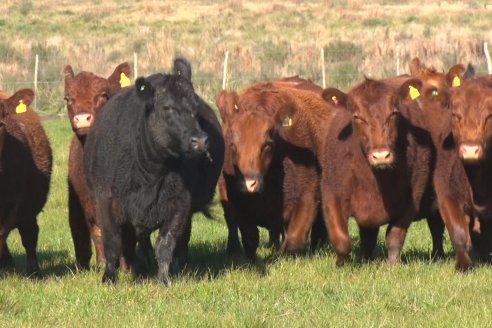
36	96
397	59
135	65
224	74
487	56
323	75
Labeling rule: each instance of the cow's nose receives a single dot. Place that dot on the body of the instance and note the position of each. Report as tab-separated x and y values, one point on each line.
381	157
83	120
199	143
471	152
252	184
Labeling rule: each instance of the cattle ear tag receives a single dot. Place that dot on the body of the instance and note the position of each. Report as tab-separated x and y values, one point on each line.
335	100
21	107
287	122
456	82
124	80
414	92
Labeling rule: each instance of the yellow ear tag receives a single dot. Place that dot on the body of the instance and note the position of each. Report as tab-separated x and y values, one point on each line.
335	100
124	80
414	92
287	122
456	82
21	107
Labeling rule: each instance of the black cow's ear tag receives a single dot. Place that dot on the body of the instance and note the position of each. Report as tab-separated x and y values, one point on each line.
287	122
413	92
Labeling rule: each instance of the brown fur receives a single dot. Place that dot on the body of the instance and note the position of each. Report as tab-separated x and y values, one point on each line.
26	162
255	149
86	94
375	193
471	109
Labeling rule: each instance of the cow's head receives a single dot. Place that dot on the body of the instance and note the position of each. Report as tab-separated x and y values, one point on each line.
471	110
18	103
171	112
376	116
251	125
86	93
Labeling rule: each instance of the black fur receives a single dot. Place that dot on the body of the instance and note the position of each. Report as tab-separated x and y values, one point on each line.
147	171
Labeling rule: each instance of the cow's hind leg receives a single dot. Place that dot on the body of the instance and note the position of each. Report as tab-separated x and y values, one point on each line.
368	240
112	238
29	231
80	230
436	227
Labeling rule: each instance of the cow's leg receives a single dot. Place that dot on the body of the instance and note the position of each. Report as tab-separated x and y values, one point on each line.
319	235
6	258
128	244
250	237
7	223
368	240
436	227
97	239
485	240
336	222
169	235
301	222
457	227
180	257
395	238
230	215
111	232
80	229
29	231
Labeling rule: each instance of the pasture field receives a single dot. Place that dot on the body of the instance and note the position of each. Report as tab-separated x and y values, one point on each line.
219	291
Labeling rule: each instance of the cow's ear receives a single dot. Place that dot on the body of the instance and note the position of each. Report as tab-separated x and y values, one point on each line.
415	66
454	77
182	67
18	102
145	90
227	103
121	77
470	72
334	97
410	90
68	73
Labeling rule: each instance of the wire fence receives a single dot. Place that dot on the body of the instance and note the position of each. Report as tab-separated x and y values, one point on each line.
332	68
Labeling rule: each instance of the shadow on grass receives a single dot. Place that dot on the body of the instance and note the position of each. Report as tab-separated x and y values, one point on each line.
52	263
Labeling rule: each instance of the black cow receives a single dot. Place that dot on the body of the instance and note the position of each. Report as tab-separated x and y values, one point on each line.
153	159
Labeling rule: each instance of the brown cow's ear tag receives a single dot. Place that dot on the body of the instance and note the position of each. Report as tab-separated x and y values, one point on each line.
21	107
456	82
414	92
124	80
287	122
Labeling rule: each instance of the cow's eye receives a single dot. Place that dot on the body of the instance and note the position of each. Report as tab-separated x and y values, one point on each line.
488	118
104	95
456	116
267	146
68	100
359	119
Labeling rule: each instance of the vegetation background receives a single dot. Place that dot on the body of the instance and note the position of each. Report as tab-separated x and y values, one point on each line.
266	39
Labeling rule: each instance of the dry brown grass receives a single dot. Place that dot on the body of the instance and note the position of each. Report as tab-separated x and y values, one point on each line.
266	39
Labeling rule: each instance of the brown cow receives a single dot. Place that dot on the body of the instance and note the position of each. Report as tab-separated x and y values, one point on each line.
377	166
471	110
26	162
266	181
449	176
86	94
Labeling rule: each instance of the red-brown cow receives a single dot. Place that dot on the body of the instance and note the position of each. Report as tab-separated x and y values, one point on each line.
377	167
471	110
86	94
26	162
266	181
449	175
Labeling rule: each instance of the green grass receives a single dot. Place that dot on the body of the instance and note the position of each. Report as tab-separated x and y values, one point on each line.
220	291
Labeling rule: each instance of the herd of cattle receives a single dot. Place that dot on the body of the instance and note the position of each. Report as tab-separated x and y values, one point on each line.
289	156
